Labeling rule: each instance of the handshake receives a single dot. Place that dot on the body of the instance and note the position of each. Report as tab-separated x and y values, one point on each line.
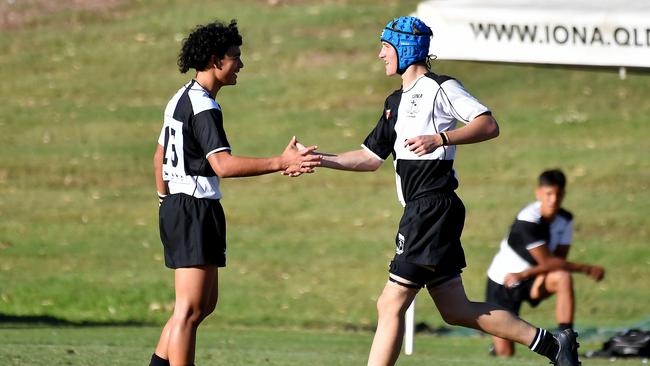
298	159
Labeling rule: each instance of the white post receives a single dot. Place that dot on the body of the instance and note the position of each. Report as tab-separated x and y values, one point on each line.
622	72
409	328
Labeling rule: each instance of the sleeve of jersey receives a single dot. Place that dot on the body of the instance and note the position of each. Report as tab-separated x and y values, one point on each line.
209	132
381	139
527	235
161	137
460	104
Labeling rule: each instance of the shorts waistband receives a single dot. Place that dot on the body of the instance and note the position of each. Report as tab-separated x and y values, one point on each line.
187	196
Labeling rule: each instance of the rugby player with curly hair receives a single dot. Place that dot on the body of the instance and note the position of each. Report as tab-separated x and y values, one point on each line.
192	155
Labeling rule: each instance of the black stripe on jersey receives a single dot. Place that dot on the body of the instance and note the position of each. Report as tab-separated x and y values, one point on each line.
381	139
183	110
524	233
202	133
438	78
425	177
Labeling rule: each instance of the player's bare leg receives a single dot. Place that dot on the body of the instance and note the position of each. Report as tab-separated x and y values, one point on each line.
163	342
538	291
391	307
456	309
196	298
559	283
503	347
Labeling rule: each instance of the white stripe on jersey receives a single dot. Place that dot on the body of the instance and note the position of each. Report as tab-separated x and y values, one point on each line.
216	151
371	152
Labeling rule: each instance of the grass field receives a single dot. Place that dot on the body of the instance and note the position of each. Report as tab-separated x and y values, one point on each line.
244	346
82	96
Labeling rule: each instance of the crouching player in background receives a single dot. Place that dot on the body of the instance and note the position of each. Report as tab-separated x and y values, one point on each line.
531	264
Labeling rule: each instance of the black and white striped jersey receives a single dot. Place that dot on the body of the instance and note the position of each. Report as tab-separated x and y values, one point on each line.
528	231
192	131
433	104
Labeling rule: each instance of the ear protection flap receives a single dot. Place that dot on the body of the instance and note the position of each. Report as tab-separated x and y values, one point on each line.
411	39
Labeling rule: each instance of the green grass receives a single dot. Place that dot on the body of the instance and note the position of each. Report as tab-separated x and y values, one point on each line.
241	346
82	98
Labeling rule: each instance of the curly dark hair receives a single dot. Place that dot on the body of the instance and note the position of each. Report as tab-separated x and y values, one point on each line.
207	40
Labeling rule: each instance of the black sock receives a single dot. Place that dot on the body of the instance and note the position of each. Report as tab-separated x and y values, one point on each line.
563	326
545	344
157	361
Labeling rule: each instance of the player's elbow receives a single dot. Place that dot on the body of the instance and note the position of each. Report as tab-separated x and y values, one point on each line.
494	131
486	126
491	128
373	164
221	165
222	171
158	157
369	162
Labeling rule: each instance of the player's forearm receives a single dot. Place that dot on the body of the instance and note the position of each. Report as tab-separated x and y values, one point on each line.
549	265
481	128
579	267
158	156
359	160
239	166
555	264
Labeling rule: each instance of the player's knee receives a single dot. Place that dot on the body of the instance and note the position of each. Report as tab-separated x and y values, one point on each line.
505	351
388	305
383	305
190	314
562	278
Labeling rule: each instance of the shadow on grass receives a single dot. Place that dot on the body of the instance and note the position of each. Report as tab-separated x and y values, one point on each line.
18	321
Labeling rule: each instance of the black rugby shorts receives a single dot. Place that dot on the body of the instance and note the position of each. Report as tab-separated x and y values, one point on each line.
429	233
510	298
193	231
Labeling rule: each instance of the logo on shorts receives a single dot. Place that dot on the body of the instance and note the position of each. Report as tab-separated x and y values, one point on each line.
399	244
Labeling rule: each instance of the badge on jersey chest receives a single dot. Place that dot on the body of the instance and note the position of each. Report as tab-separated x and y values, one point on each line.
387	114
413	107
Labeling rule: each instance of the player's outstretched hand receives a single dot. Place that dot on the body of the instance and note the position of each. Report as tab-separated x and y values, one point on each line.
423	144
300	159
596	273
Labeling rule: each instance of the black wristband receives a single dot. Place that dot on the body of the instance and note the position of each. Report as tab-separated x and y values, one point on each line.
445	141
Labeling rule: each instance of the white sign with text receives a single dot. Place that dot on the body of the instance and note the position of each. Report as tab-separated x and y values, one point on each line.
571	32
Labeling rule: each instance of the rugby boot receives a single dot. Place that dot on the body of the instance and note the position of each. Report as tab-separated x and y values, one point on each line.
567	355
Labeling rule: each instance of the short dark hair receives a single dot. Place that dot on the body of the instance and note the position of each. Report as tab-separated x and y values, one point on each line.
552	177
205	41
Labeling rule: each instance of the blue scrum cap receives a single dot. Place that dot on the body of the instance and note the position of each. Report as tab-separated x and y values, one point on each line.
410	37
